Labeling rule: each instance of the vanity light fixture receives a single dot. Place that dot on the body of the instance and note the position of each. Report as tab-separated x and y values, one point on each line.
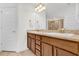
40	8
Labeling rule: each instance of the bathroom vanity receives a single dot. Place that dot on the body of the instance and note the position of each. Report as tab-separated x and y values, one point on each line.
53	44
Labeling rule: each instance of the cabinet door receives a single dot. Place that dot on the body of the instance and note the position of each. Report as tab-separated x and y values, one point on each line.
29	42
47	50
61	52
33	45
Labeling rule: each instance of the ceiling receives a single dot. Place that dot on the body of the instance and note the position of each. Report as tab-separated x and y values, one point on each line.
51	8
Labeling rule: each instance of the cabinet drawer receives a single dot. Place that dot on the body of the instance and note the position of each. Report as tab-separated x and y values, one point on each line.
67	45
37	37
38	47
38	42
31	35
46	39
38	53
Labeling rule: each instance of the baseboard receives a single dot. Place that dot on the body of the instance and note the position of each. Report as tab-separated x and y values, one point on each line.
19	51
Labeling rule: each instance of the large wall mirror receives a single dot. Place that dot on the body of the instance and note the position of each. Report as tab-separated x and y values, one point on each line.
67	11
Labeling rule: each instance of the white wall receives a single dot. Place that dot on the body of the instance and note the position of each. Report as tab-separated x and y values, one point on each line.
70	14
22	15
26	13
16	17
0	31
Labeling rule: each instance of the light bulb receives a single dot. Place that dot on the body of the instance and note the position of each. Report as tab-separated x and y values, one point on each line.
40	8
43	8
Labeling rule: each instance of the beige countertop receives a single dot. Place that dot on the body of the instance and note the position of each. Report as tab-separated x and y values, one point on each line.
65	36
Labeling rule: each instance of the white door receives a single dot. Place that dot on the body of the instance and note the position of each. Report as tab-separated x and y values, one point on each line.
9	25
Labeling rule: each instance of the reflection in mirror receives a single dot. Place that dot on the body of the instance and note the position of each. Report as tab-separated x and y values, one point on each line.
55	24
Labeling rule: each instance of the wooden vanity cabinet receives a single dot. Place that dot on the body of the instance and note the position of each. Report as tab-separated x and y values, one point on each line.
42	45
46	49
31	42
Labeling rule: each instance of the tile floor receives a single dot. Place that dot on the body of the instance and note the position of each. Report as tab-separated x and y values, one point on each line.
24	53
